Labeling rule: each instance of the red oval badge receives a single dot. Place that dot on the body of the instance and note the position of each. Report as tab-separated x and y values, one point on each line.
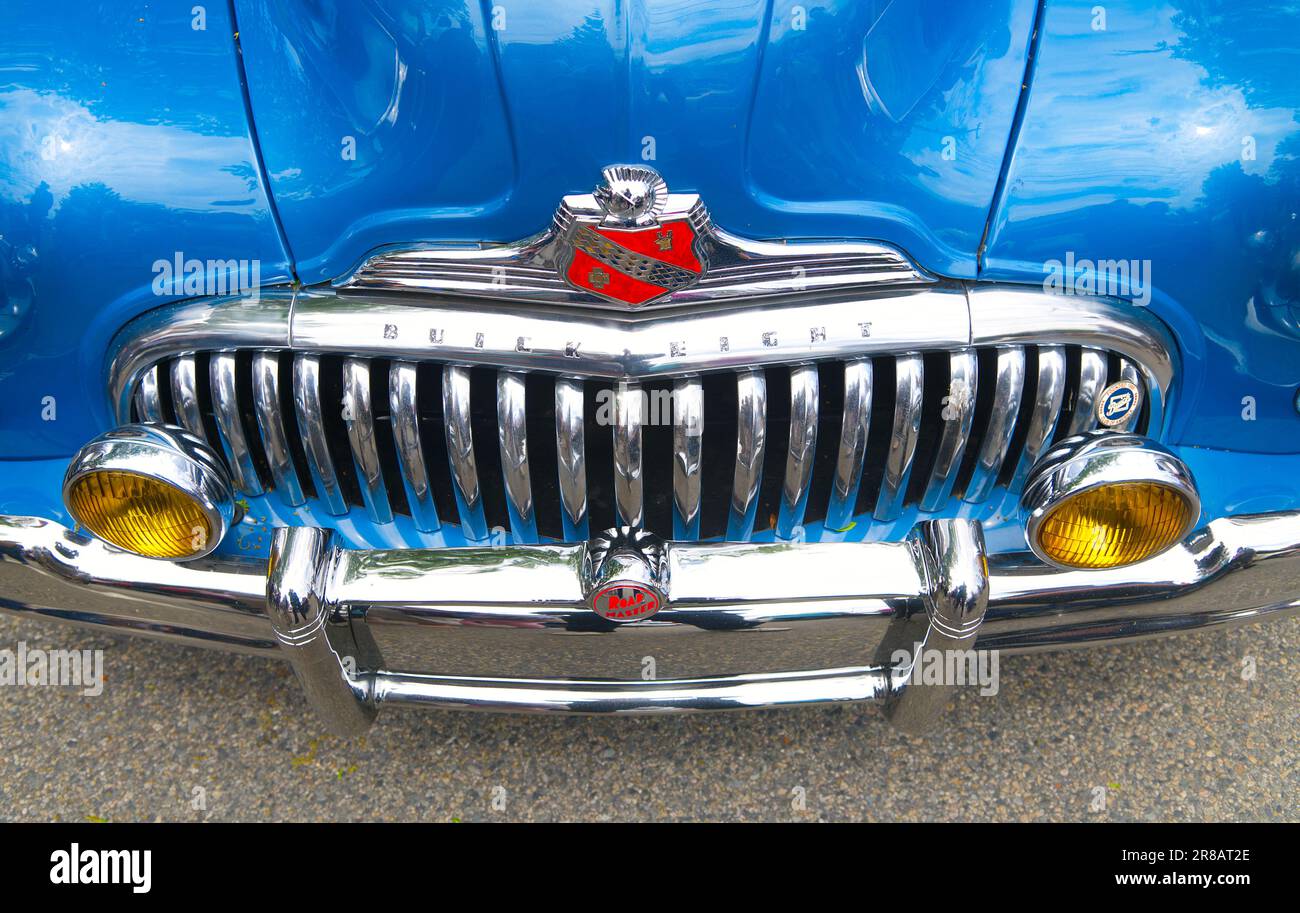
625	602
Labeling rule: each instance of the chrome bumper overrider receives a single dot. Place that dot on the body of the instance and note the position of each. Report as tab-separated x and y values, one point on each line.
743	624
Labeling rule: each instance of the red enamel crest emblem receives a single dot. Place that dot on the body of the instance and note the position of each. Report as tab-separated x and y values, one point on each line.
634	248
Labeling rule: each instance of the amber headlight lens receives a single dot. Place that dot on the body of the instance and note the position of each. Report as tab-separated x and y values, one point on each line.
139	514
1107	499
154	490
1115	525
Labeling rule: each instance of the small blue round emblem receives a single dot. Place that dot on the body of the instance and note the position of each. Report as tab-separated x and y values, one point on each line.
1117	403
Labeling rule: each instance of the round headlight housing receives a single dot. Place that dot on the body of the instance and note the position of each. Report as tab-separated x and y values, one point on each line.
1106	500
154	490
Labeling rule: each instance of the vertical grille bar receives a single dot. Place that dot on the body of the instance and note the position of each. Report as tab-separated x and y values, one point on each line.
854	430
958	414
1009	386
1092	380
1047	409
751	438
629	497
688	451
405	418
311	424
359	418
185	395
802	447
460	452
909	374
266	402
512	434
1129	372
571	450
230	427
148	405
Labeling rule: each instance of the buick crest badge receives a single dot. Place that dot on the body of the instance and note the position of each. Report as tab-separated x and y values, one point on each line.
633	242
1118	403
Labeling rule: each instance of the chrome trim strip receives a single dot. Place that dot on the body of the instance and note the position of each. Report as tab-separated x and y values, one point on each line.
634	347
512	433
958	416
804	393
571	450
854	430
148	404
185	396
1131	373
629	498
1092	380
1019	316
751	439
460	452
225	406
270	420
733	692
404	415
688	454
909	385
307	408
1047	409
204	324
1009	386
359	418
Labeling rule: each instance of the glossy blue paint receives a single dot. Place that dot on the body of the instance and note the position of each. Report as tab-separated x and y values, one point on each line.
1171	136
411	120
123	141
126	139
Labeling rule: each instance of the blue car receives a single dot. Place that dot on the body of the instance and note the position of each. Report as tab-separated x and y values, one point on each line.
648	356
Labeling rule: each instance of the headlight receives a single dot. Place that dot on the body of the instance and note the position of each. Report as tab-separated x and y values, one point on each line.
151	489
1106	500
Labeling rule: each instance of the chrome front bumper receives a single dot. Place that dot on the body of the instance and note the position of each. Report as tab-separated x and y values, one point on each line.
744	624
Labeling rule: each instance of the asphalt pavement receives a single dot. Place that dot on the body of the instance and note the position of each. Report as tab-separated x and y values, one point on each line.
1198	727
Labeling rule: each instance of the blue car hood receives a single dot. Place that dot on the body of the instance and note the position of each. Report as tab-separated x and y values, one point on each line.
391	121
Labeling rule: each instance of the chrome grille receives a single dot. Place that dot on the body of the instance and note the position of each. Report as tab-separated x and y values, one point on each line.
546	456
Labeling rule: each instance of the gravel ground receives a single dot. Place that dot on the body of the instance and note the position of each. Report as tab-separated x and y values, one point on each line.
1167	730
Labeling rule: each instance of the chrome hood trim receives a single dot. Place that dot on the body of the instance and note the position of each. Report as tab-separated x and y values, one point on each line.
534	269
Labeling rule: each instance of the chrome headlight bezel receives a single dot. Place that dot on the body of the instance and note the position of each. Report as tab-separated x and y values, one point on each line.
167	454
1096	459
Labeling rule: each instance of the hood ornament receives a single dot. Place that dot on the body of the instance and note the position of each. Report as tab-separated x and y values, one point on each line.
637	243
631	244
631	196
